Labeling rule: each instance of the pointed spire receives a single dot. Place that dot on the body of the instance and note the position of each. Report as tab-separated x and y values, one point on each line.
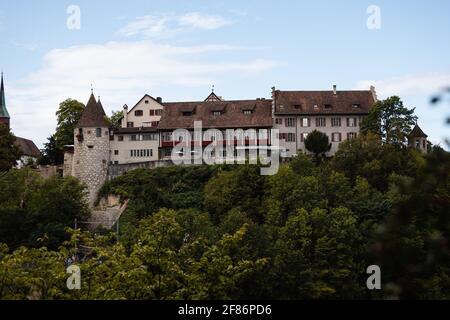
3	111
93	114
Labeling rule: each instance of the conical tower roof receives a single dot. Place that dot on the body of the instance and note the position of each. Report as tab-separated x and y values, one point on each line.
3	111
93	114
417	132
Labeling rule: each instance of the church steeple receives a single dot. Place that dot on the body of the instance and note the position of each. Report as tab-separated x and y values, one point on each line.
4	115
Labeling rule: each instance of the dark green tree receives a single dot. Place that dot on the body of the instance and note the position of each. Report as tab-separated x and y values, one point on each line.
317	142
68	114
53	153
9	152
116	118
391	120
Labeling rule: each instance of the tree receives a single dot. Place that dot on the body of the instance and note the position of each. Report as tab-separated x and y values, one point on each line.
68	114
317	143
9	152
391	120
52	153
116	118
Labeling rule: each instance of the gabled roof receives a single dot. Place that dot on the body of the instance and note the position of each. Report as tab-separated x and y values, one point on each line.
213	97
3	111
231	117
323	102
27	147
417	132
93	114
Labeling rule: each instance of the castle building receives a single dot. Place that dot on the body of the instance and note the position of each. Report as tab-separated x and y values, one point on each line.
30	153
146	136
418	139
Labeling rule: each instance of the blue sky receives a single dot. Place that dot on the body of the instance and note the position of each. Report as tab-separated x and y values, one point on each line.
178	49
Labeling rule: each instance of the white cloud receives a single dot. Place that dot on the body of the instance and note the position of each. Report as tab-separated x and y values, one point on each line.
169	25
429	84
26	46
121	72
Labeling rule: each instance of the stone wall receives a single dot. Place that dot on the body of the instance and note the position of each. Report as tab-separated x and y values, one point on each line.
90	160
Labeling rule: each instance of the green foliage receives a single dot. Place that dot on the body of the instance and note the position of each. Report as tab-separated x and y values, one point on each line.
391	120
317	143
68	114
116	118
226	232
35	212
9	152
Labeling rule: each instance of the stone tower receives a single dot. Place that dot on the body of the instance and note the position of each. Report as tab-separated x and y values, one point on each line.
418	139
91	148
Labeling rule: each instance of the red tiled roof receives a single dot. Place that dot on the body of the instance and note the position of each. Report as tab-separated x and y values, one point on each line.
232	115
323	102
27	147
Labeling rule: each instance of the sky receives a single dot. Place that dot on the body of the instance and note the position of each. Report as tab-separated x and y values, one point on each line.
54	50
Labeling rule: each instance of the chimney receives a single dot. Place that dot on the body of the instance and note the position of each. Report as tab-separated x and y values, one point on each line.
374	93
125	116
159	99
334	89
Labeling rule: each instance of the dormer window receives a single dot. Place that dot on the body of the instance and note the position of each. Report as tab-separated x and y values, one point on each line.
247	112
316	107
187	113
217	113
328	106
356	105
297	106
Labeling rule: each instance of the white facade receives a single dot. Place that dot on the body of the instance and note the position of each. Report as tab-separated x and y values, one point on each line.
294	129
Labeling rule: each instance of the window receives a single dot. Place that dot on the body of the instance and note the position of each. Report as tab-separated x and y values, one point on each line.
158	112
305	122
351	135
152	112
328	106
150	137
320	122
297	106
138	113
303	136
167	136
278	121
146	101
290	137
116	152
120	138
335	122
133	137
217	113
336	137
155	123
352	122
98	132
316	107
356	105
116	162
130	124
247	112
141	153
290	122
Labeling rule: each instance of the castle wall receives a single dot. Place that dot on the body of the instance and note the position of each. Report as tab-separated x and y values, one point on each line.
90	160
